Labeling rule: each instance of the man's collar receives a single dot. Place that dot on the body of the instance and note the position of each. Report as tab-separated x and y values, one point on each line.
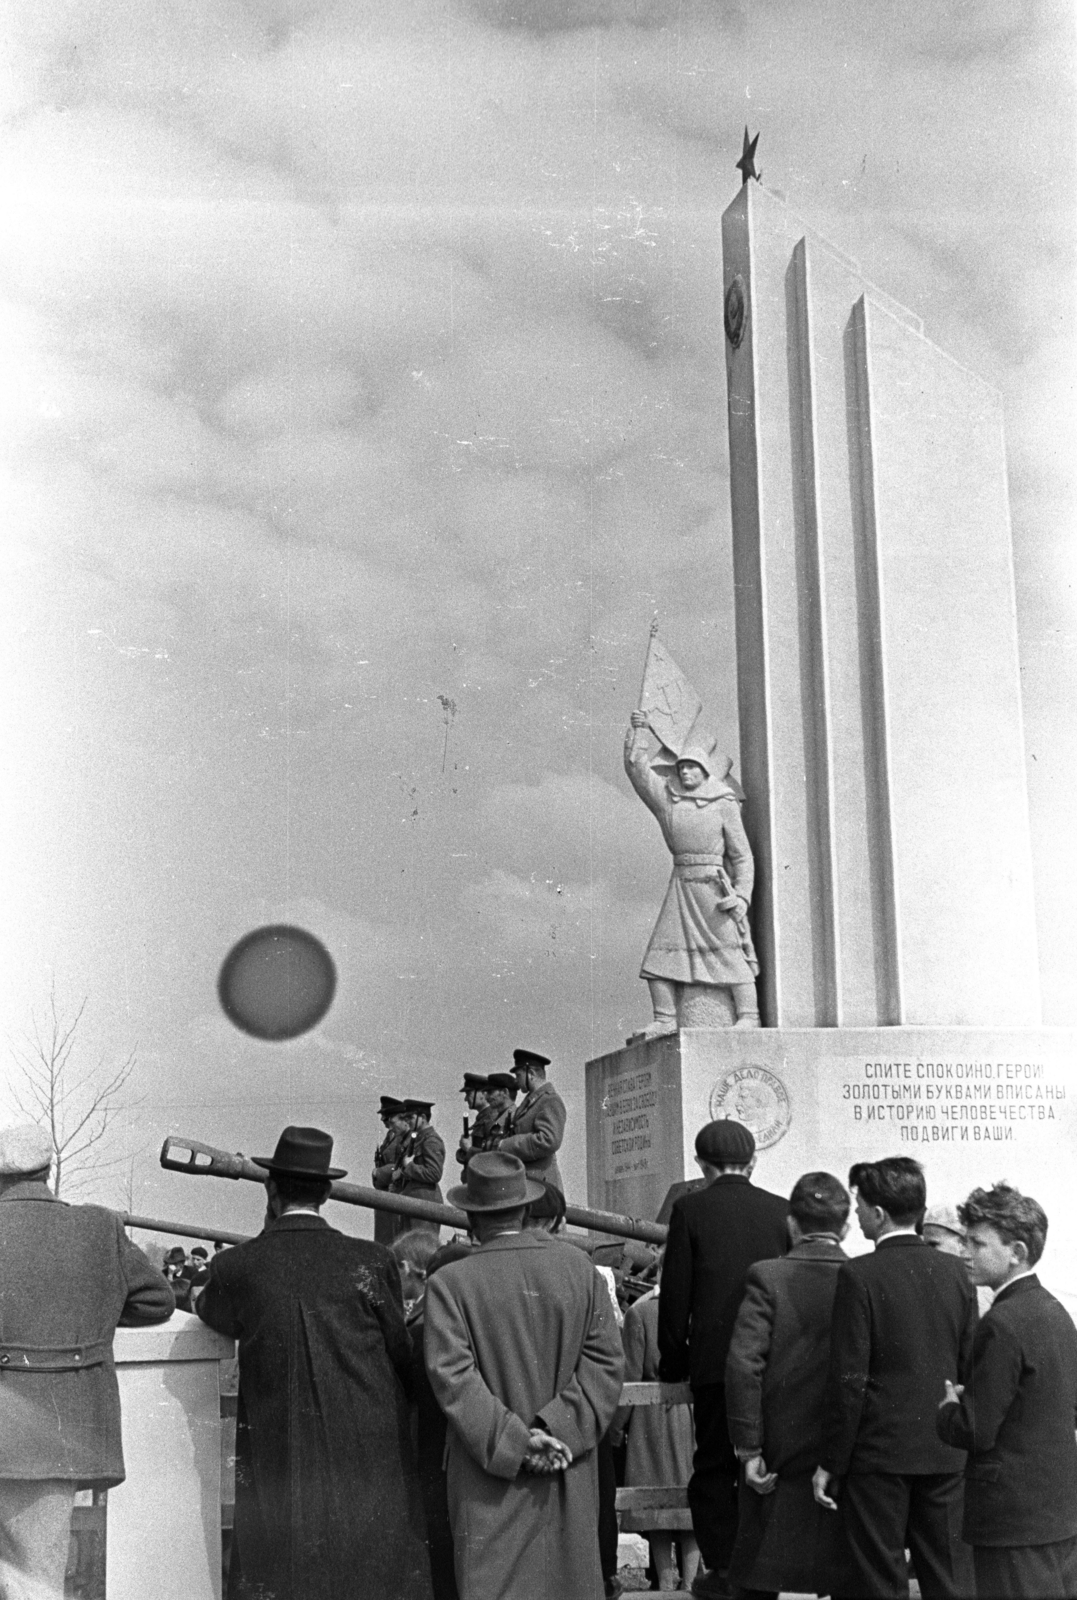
28	1189
728	1177
899	1236
300	1219
1013	1283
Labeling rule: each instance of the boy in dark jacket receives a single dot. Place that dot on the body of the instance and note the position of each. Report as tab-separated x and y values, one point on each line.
1017	1413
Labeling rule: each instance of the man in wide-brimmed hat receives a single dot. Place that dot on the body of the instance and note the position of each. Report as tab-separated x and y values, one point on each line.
525	1359
327	1501
69	1276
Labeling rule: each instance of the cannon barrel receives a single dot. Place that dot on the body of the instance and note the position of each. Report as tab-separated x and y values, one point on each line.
204	1160
188	1230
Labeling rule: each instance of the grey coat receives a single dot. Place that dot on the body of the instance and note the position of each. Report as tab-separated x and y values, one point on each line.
69	1276
536	1132
523	1329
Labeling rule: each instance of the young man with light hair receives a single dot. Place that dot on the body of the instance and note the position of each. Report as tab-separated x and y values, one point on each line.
1016	1414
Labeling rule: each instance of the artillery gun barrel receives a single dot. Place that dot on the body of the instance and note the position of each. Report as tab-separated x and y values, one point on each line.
188	1230
204	1160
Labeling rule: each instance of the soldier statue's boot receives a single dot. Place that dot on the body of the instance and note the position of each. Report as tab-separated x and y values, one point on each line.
664	1002
746	1003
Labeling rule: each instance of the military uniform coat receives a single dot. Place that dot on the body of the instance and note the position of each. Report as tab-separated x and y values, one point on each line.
69	1276
775	1385
521	1333
420	1165
538	1127
386	1224
327	1495
1016	1419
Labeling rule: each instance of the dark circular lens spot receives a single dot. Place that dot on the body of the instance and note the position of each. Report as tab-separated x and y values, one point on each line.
277	982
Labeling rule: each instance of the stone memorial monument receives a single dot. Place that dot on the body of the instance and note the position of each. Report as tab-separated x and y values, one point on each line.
882	762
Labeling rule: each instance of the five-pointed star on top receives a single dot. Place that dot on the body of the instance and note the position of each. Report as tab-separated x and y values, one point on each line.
746	164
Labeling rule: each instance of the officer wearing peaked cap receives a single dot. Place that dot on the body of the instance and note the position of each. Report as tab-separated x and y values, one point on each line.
420	1163
538	1122
475	1090
393	1115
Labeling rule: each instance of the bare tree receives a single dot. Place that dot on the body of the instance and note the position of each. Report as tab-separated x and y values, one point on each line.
77	1107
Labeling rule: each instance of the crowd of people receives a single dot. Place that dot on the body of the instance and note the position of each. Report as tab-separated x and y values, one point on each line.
444	1421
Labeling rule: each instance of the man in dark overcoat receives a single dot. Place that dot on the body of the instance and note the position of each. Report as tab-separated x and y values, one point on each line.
69	1276
327	1496
538	1123
904	1321
1017	1412
775	1385
715	1234
525	1360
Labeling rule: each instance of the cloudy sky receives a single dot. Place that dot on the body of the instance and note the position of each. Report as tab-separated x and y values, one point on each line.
364	399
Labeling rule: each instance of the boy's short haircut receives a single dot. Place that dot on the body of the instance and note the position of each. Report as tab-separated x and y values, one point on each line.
896	1184
819	1203
1013	1215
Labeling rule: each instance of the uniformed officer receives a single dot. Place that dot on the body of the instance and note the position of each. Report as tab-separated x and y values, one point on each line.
393	1115
501	1099
538	1122
473	1090
421	1161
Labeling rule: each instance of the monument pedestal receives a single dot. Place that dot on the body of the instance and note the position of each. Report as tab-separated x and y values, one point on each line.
973	1105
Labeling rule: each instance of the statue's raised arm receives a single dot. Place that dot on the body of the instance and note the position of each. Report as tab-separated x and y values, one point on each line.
702	937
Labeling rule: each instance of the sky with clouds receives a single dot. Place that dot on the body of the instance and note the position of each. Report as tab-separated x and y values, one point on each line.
364	400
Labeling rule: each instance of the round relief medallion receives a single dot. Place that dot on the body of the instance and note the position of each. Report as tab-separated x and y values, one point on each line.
736	311
757	1098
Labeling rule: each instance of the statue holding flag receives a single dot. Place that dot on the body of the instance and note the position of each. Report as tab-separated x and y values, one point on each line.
702	936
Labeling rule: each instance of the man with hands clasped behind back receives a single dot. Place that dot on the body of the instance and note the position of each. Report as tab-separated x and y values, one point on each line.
525	1360
1016	1413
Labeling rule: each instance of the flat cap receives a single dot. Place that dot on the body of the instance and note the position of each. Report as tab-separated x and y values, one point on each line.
27	1148
944	1216
529	1058
474	1080
725	1143
502	1080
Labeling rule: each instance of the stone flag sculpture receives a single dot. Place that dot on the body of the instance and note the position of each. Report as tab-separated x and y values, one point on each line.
700	956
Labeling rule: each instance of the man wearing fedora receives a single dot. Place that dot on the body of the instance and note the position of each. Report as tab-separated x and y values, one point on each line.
327	1495
715	1234
69	1276
525	1360
538	1122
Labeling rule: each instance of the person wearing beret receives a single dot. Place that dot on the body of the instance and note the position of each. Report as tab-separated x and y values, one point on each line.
538	1122
327	1491
419	1164
715	1234
1017	1411
69	1276
394	1118
525	1360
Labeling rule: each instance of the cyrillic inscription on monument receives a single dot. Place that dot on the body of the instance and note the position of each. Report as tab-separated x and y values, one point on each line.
960	1102
627	1134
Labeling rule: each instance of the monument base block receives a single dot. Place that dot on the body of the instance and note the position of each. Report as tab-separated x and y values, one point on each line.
974	1105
